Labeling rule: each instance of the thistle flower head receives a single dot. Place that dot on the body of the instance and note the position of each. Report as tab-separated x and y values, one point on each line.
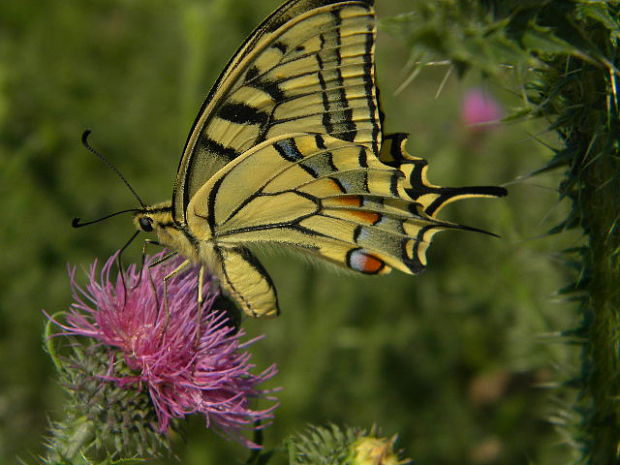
188	360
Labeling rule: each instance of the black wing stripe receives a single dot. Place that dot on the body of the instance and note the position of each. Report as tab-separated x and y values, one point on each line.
347	114
241	113
327	122
210	145
362	158
370	86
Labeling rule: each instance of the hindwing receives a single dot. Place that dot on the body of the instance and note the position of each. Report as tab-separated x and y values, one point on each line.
323	196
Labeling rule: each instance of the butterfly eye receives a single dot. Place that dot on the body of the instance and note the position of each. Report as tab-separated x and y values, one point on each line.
146	224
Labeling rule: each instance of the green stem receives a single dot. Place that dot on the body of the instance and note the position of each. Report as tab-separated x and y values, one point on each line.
601	382
579	93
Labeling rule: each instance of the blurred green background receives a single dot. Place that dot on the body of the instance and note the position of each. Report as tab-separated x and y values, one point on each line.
454	361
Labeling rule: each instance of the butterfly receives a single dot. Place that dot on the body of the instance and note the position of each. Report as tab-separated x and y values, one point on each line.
288	149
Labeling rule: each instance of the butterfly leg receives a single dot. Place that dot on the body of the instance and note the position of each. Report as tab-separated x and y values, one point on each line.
145	244
159	261
201	280
155	263
143	260
177	270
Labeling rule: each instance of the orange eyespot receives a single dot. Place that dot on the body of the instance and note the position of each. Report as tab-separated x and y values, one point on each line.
362	261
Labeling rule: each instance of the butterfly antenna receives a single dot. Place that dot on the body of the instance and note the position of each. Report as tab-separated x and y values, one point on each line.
76	221
133	236
107	162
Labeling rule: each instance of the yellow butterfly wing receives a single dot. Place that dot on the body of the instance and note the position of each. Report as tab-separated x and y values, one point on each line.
308	68
322	196
288	149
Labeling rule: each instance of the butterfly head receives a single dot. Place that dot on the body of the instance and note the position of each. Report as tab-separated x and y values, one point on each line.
158	219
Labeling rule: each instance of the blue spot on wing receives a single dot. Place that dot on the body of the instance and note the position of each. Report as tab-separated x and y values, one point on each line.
288	150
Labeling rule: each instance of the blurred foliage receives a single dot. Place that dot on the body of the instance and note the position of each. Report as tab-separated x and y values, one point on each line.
454	360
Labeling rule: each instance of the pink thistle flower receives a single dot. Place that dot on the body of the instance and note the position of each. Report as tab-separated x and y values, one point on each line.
479	111
186	366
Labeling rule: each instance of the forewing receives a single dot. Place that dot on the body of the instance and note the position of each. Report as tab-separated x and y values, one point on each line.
308	68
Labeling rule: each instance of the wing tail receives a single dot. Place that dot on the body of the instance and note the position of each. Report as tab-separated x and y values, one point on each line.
432	198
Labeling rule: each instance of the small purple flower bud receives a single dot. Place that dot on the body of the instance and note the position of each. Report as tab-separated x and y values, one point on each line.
479	111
